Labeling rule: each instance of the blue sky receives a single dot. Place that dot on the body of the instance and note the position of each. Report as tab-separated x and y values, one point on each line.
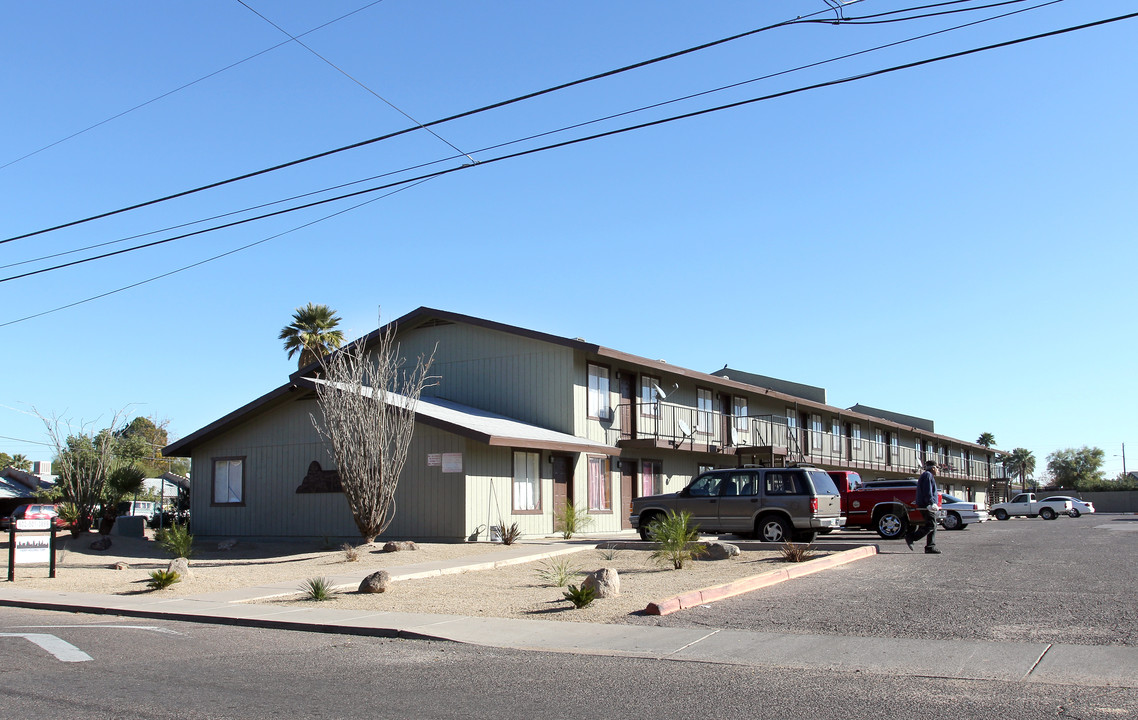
953	241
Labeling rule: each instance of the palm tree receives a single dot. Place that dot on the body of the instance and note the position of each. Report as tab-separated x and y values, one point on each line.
986	439
312	333
1020	463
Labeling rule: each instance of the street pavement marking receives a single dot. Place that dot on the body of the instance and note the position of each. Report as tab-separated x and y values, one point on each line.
61	649
152	628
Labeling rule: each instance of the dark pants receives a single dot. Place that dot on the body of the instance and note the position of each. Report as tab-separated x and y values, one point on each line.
926	530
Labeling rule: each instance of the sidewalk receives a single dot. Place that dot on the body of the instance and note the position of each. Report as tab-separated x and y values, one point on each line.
959	659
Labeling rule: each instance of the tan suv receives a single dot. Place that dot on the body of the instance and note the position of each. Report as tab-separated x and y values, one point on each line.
772	504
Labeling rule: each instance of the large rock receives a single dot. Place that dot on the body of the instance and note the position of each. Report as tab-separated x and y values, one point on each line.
398	546
719	551
103	543
605	582
377	582
182	567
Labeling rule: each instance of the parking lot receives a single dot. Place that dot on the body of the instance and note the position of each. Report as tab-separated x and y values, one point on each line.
1067	580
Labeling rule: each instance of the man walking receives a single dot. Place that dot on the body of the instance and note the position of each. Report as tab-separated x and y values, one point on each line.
927	495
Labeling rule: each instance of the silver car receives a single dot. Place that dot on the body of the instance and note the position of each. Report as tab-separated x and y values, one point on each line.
959	514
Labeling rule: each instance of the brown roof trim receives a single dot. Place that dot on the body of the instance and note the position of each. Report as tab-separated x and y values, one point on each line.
185	446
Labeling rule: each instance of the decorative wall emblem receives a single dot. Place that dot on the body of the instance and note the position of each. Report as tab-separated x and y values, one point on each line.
320	481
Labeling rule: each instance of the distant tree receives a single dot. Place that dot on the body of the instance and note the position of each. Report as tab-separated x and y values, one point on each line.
83	459
140	442
986	439
367	403
312	333
1020	463
5	460
1079	469
18	461
122	482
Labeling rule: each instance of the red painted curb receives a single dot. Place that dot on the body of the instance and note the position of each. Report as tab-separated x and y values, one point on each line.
755	582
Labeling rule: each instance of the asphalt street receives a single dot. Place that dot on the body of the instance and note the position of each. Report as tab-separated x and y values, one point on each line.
1069	580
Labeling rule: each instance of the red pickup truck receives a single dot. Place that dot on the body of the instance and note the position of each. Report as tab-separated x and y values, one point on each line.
887	506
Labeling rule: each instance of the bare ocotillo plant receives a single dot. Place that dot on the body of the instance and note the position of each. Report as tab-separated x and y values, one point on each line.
83	458
367	397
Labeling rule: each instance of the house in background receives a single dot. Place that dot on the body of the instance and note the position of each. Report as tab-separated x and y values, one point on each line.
18	487
522	423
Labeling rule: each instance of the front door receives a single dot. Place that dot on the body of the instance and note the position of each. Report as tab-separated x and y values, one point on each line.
627	481
562	487
628	405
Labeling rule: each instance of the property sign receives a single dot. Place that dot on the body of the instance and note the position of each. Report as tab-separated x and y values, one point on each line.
33	524
434	459
452	462
33	549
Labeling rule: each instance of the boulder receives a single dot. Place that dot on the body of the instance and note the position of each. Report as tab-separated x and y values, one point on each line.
226	544
719	551
605	582
182	567
377	582
102	543
399	546
120	566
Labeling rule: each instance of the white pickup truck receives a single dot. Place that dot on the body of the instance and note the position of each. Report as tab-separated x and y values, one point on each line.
1026	504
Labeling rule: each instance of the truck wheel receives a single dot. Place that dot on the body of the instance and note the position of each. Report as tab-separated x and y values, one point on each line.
645	521
890	525
1001	514
952	522
1047	514
773	528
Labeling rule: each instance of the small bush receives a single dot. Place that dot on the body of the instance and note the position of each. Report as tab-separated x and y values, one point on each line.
176	540
572	521
676	538
317	589
792	552
351	552
510	534
162	579
557	573
609	554
581	596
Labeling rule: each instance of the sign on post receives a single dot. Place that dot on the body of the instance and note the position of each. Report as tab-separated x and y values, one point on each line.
29	549
33	549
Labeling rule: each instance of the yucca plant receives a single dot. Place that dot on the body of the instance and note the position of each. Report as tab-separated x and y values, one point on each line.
676	539
176	540
796	552
162	579
510	534
557	573
571	521
581	596
609	553
318	589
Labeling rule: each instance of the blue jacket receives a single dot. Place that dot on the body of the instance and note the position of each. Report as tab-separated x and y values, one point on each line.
926	489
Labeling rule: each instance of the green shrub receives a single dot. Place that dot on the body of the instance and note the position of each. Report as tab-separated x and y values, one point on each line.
318	589
581	596
796	552
572	521
676	539
162	579
557	573
176	540
609	553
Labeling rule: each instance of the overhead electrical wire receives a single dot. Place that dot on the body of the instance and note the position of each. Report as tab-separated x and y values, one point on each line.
609	133
548	132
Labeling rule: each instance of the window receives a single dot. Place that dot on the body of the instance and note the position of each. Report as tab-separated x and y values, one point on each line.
228	481
704	486
816	432
855	433
739	409
740	485
599	392
600	495
651	477
836	436
703	400
649	396
878	444
527	481
782	483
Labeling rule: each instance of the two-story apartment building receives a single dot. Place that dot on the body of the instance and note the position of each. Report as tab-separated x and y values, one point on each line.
521	423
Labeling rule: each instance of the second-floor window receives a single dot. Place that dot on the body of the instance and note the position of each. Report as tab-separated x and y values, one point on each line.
703	399
649	396
739	408
855	435
599	392
878	444
816	432
836	436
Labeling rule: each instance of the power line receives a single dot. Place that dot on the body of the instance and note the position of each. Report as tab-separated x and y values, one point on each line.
618	131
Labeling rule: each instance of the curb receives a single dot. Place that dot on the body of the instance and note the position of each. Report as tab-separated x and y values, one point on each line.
756	582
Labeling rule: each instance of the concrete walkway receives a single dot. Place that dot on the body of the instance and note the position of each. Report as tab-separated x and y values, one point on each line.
970	660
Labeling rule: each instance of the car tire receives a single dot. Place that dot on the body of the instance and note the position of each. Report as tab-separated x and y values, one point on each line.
773	528
1047	514
890	525
1001	514
952	522
804	536
645	521
1074	513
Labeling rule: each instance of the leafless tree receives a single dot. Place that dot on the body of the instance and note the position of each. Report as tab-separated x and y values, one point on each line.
83	458
367	398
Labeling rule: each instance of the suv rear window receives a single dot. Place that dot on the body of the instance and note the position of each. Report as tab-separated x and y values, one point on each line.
823	483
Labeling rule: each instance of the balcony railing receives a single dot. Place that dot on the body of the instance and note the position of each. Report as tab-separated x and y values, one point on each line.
668	425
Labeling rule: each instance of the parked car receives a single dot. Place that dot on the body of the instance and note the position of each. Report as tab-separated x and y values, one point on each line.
1027	504
1078	507
886	506
772	504
34	511
959	514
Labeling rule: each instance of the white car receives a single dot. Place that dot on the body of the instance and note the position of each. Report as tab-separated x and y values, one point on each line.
959	514
1078	507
